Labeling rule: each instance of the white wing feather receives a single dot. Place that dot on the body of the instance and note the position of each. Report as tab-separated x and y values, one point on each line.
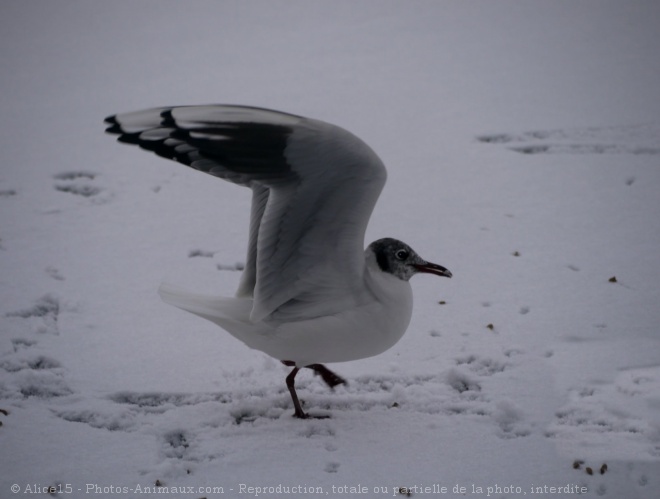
314	188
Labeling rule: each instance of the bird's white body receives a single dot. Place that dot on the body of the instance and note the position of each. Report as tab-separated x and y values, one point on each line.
377	319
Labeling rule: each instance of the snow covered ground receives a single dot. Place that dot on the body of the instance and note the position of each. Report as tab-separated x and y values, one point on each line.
522	141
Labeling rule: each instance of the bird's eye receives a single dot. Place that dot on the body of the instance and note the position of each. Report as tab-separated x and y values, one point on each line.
401	254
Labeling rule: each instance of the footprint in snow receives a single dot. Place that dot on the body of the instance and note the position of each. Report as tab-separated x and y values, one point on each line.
200	253
332	467
483	366
83	184
29	374
33	377
21	343
238	266
44	313
510	420
176	444
611	414
634	139
54	273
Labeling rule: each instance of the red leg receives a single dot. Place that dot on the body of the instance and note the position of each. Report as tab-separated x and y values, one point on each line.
331	379
290	383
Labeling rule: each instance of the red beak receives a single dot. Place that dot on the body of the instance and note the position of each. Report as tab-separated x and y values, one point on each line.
432	268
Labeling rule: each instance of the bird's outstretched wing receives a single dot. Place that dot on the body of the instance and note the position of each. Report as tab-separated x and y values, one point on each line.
314	188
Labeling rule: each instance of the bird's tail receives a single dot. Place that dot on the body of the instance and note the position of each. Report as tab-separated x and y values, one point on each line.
217	309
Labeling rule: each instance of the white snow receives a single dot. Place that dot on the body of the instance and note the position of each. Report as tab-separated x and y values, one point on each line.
522	141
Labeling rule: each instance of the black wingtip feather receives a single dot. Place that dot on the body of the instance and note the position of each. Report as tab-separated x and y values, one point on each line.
167	118
235	150
128	138
115	129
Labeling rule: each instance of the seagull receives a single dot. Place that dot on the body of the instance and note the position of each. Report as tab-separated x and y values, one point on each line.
309	294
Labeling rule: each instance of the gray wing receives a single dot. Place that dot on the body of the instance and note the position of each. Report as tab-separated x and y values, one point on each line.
314	187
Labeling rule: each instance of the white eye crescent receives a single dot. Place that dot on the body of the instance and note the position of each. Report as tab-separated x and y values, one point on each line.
401	254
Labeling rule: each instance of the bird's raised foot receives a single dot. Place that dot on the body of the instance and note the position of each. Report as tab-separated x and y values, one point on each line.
330	378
